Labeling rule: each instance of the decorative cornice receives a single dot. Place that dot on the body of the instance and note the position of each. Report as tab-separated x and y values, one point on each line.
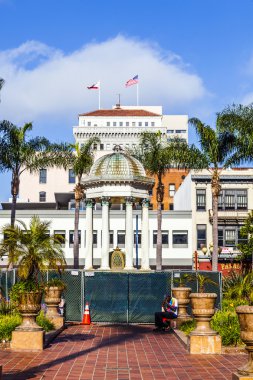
223	178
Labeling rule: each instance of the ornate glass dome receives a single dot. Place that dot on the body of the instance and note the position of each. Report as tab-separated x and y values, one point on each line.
117	165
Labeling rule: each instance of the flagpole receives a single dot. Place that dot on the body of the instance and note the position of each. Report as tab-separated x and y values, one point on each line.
137	93
99	96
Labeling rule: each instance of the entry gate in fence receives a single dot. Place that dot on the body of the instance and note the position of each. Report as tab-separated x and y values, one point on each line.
116	297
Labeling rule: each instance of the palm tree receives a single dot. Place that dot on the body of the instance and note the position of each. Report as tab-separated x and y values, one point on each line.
32	248
158	156
1	83
218	148
18	153
81	161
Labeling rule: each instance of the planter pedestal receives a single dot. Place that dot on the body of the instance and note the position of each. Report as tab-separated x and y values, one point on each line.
27	340
200	344
28	336
236	376
182	296
203	340
52	300
245	316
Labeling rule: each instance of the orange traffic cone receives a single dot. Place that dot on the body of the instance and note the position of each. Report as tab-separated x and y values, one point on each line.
86	315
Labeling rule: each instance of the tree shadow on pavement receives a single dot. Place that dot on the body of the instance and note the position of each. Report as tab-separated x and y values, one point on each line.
130	332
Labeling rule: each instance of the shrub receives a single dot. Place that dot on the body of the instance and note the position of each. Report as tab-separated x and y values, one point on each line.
7	307
226	323
44	322
56	282
7	324
22	287
188	326
229	304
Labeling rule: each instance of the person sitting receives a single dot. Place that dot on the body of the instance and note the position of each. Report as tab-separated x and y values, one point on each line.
170	310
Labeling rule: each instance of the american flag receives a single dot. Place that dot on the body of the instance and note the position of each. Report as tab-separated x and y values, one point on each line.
94	86
132	81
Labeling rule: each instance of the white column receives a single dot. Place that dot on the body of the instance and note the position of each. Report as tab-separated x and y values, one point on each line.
89	234
145	236
129	239
105	234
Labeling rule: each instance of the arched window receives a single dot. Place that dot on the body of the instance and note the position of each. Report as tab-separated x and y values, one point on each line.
42	196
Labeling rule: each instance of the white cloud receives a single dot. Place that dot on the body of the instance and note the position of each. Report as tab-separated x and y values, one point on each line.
43	83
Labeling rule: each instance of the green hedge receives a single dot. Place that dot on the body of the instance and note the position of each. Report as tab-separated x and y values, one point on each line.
7	324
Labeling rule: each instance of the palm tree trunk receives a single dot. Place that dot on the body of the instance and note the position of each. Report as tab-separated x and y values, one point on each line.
215	234
159	237
14	193
159	199
215	187
76	237
13	210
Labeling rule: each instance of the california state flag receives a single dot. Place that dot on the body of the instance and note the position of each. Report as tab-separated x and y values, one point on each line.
94	86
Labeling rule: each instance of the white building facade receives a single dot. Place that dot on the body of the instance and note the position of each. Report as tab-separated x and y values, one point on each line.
117	205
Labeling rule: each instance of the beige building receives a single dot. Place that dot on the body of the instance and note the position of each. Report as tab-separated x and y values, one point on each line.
235	201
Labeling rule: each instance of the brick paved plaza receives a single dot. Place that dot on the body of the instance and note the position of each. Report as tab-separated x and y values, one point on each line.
116	352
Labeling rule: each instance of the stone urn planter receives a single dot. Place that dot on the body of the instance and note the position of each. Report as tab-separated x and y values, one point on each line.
245	316
182	295
203	309
29	305
52	299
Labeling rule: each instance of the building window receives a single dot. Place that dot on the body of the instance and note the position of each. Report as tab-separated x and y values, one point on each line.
121	239
111	240
133	124
171	206
114	123
233	200
95	239
89	123
180	130
121	124
108	146
101	146
140	123
72	177
127	124
139	238
169	131
95	146
172	189
180	239
201	236
165	239
229	236
201	199
42	196
43	176
152	123
108	124
146	123
71	238
62	235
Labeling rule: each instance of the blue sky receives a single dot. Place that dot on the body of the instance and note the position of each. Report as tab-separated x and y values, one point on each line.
192	56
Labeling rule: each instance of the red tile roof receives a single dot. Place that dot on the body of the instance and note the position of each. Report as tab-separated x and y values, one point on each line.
120	112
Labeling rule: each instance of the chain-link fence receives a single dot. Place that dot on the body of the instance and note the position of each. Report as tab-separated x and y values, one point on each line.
118	297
